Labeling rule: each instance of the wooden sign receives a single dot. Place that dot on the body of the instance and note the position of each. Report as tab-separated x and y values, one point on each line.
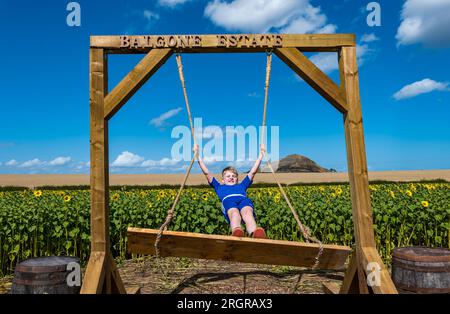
196	41
222	42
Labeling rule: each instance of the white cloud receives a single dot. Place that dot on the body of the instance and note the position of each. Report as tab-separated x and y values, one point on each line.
212	159
326	61
12	162
244	163
168	162
127	159
162	163
31	163
426	22
149	163
421	87
262	16
157	122
82	166
254	95
60	161
309	21
171	3
149	15
363	51
367	38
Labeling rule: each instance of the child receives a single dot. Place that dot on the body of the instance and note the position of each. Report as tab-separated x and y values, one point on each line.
235	204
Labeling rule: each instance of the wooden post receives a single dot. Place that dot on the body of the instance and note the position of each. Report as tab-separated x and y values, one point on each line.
357	171
98	277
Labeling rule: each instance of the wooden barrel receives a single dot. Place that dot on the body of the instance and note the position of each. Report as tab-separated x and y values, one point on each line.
417	269
44	275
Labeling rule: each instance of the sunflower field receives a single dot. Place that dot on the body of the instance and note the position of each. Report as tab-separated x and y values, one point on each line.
57	222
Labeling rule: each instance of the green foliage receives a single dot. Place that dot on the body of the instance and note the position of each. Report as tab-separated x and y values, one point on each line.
57	222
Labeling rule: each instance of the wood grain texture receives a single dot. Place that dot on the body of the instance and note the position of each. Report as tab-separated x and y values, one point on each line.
134	80
350	283
356	152
358	177
210	43
99	177
228	248
387	286
309	72
94	277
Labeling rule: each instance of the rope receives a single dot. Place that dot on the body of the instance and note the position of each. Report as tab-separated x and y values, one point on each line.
183	85
266	92
306	232
170	212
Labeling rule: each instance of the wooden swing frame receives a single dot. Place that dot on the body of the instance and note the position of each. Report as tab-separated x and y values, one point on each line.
101	274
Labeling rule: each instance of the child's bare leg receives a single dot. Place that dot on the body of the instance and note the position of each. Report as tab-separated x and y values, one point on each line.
249	219
235	218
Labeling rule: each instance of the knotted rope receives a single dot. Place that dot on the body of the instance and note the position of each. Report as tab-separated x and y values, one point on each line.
170	212
306	232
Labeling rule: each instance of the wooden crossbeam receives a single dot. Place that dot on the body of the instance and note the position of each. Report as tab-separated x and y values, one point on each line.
309	72
134	80
228	248
222	43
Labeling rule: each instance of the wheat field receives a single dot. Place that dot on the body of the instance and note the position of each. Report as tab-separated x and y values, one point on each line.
33	180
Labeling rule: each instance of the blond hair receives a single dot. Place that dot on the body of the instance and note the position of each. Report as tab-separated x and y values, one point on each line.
231	169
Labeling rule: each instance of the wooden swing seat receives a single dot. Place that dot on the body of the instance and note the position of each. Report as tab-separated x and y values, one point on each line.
228	248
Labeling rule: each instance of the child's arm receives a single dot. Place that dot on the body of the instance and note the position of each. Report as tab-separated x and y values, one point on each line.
202	165
255	168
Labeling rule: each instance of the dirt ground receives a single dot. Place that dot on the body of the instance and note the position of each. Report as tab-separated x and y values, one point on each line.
197	276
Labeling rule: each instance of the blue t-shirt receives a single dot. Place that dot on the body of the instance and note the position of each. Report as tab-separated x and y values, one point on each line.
222	190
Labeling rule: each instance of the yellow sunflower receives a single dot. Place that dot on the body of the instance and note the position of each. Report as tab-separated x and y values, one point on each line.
409	193
67	198
37	193
277	198
116	196
425	204
205	197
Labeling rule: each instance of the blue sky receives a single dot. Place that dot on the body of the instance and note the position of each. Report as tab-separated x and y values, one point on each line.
403	67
